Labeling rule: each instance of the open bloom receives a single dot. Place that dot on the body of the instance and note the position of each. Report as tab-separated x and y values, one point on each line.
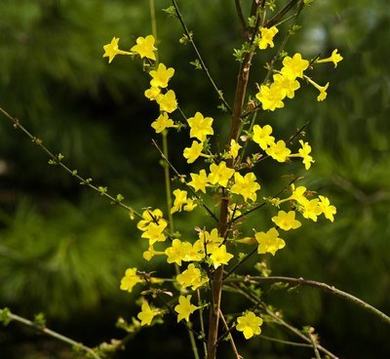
335	57
130	279
181	202
192	153
161	76
167	101
262	136
145	47
294	67
278	151
267	36
112	49
220	256
147	313
270	97
199	181
200	127
191	277
249	324
245	186
327	209
269	242
162	122
286	220
220	174
184	309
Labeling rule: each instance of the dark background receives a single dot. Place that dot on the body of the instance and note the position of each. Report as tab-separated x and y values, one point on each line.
63	249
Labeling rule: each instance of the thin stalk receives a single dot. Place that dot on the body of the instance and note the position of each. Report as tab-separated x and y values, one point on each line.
167	179
199	56
167	176
231	339
324	287
314	344
53	334
83	181
201	321
280	321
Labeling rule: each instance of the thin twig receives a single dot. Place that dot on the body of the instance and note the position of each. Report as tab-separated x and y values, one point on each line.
231	339
55	158
242	261
313	340
280	321
286	342
265	202
42	329
209	211
202	63
240	15
323	286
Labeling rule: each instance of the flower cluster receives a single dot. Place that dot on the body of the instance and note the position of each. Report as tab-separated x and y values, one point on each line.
222	175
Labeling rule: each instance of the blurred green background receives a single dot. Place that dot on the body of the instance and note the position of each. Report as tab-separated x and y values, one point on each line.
63	249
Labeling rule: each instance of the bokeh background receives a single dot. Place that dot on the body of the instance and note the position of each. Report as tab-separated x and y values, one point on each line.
63	249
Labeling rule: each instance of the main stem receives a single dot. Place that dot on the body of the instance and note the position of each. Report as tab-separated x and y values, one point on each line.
241	87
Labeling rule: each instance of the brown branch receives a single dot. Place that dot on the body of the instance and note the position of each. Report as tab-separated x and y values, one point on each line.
323	286
238	356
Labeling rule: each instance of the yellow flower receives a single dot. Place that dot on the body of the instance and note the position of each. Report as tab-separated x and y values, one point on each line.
245	186
278	151
184	309
335	58
304	152
269	242
200	127
234	148
311	209
327	209
162	122
262	136
130	279
220	174
199	181
149	216
298	194
287	85
249	324
293	67
147	313
179	251
192	153
111	49
145	47
155	232
181	202
286	221
191	277
270	97
209	240
220	256
152	93
267	36
161	76
167	101
149	253
323	94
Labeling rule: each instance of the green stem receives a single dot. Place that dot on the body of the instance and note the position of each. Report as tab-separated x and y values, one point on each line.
53	334
167	181
55	158
202	63
326	288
